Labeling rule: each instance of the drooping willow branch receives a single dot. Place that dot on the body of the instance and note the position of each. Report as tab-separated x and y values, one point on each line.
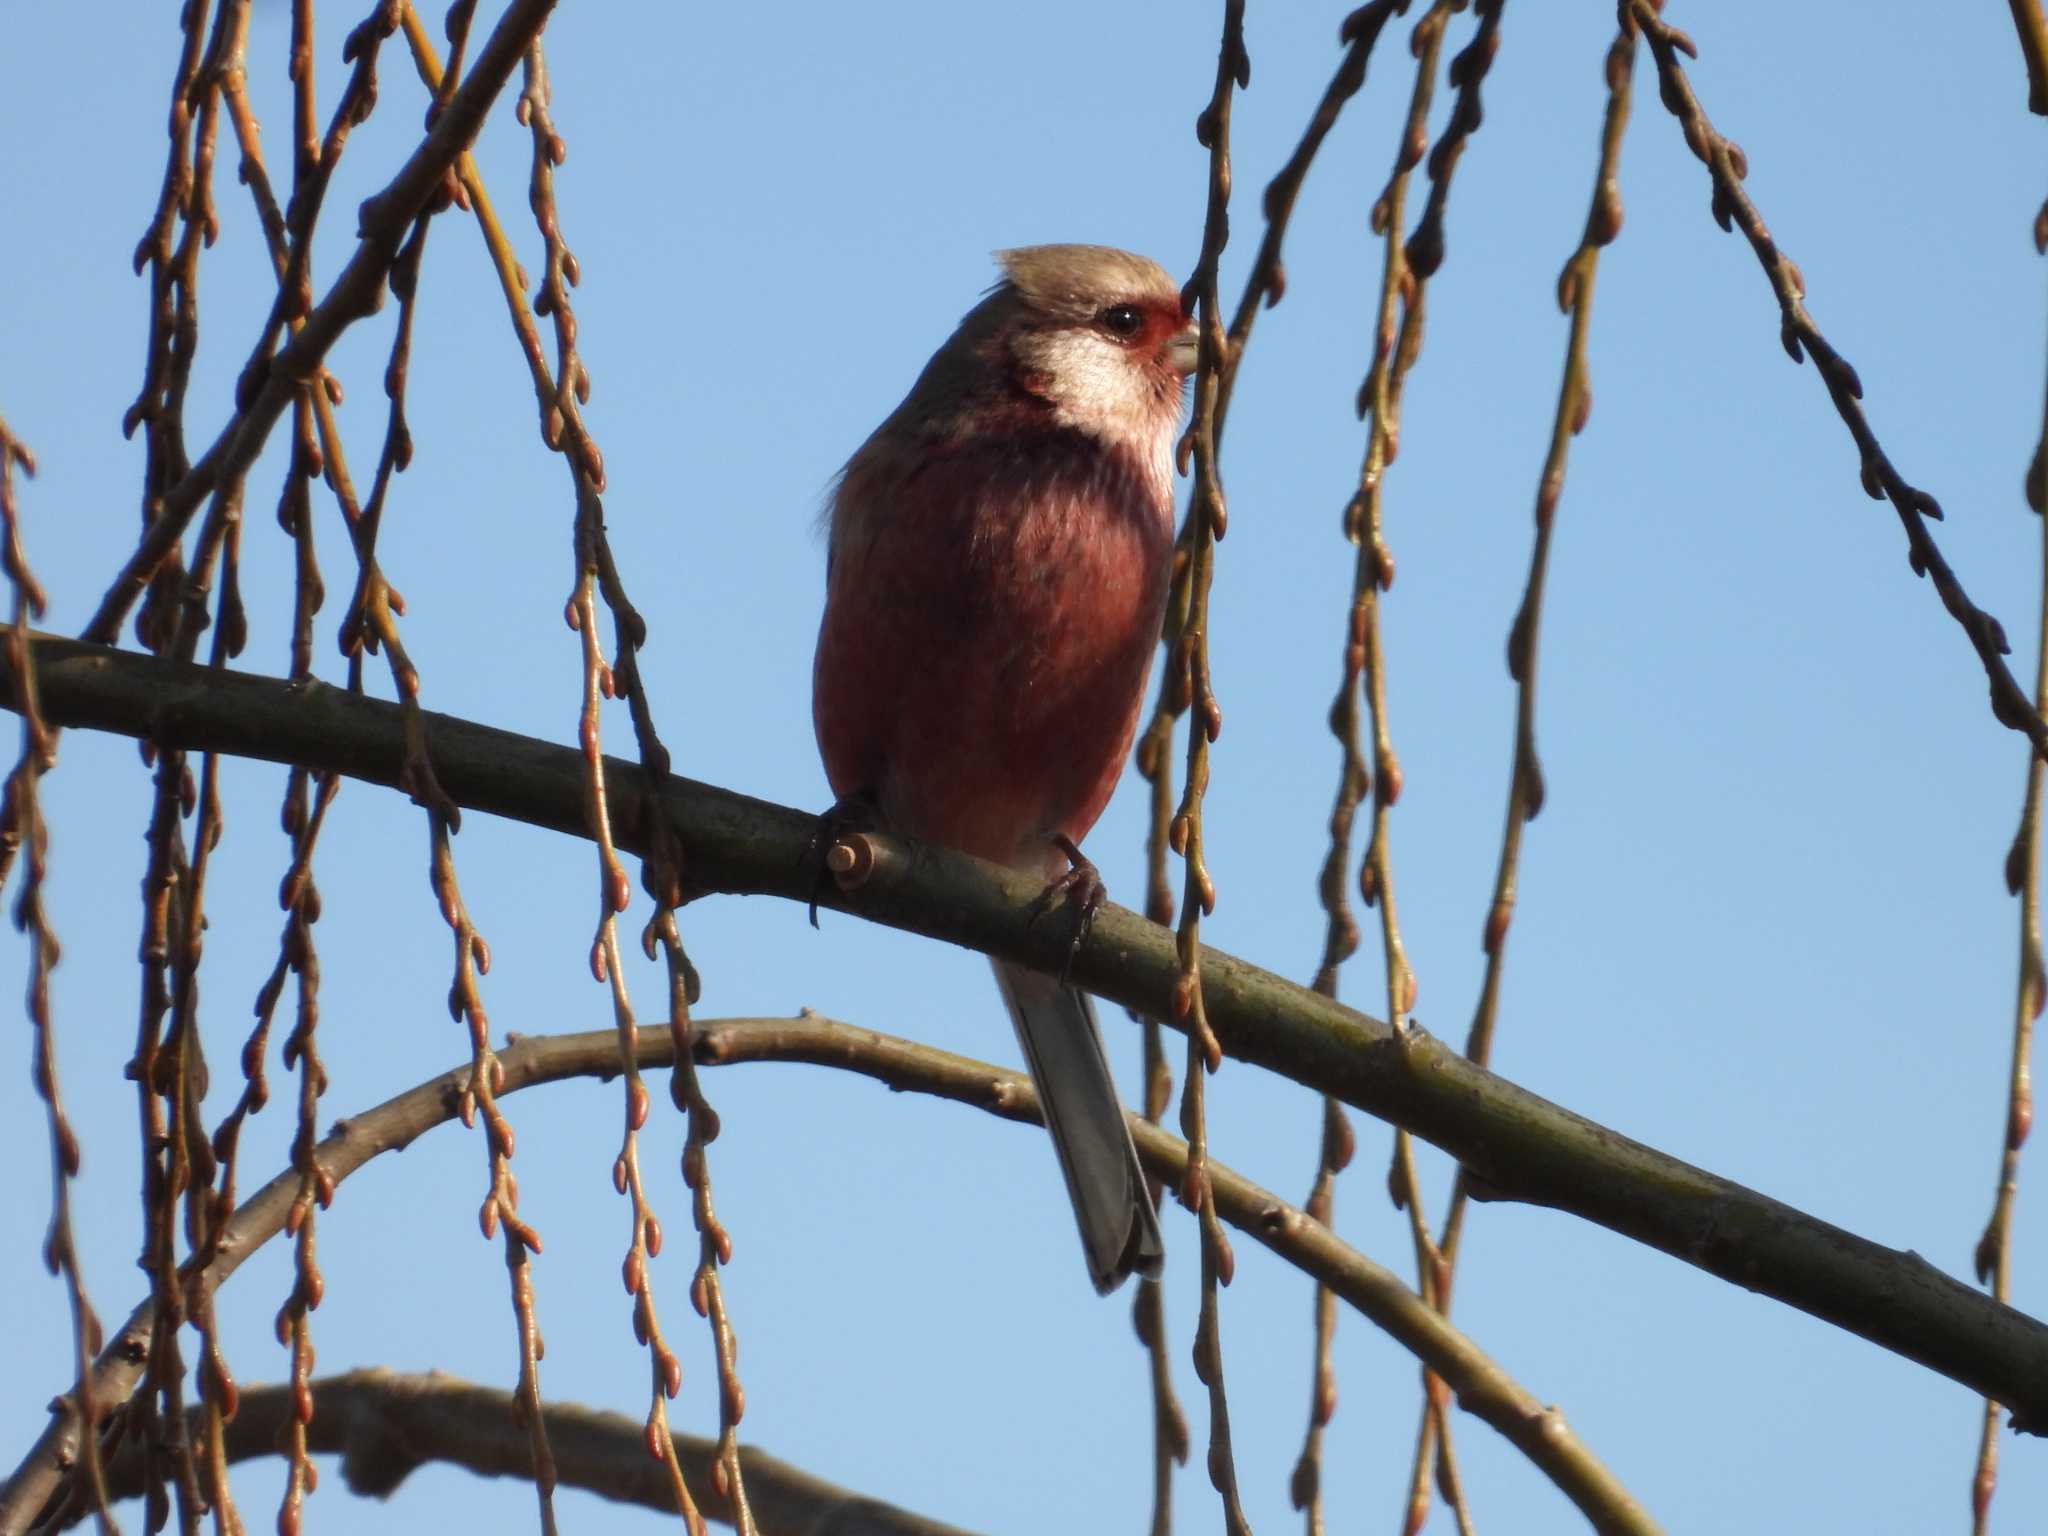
2023	880
386	1424
382	224
23	830
1727	167
1264	287
1541	1433
1188	659
1517	1145
1525	778
1405	269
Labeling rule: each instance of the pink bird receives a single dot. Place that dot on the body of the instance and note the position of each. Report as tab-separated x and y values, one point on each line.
998	566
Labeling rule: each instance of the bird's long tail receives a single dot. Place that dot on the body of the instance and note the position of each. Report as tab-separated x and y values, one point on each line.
1063	1048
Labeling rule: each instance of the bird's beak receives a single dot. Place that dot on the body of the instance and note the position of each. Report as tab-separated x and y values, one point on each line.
1182	349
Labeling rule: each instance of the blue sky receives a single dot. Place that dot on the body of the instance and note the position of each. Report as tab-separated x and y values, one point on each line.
1762	922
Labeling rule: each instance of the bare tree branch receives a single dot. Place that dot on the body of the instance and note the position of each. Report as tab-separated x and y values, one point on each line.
386	1424
1482	1387
1516	1145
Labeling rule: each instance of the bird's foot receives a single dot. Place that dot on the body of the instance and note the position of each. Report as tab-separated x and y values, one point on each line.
1080	890
850	813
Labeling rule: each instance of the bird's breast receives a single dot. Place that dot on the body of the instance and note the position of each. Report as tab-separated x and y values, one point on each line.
989	625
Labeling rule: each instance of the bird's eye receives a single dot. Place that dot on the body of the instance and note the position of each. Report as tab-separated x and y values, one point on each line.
1121	320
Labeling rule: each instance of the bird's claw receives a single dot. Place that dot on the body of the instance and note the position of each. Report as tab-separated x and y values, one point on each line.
849	813
1081	890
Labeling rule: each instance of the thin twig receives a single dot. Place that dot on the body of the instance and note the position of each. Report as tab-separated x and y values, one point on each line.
1408	261
315	447
172	272
196	1162
1727	165
1525	786
1993	1260
22	827
614	890
1264	287
1574	404
1266	284
163	1080
562	428
369	625
1189	660
1305	1485
178	1165
384	221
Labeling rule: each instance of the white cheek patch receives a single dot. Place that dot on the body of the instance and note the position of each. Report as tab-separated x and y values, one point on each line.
1097	387
1094	385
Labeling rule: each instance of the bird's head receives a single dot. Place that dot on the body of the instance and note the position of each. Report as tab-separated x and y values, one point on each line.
1099	335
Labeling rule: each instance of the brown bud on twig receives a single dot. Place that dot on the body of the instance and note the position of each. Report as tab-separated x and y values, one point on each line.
1497	919
1532	787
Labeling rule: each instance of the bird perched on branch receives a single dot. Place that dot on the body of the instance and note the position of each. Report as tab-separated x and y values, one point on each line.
999	557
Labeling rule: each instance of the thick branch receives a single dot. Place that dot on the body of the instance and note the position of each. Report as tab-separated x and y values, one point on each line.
386	1424
1482	1387
1518	1145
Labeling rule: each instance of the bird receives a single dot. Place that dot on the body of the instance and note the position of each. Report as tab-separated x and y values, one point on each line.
999	553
